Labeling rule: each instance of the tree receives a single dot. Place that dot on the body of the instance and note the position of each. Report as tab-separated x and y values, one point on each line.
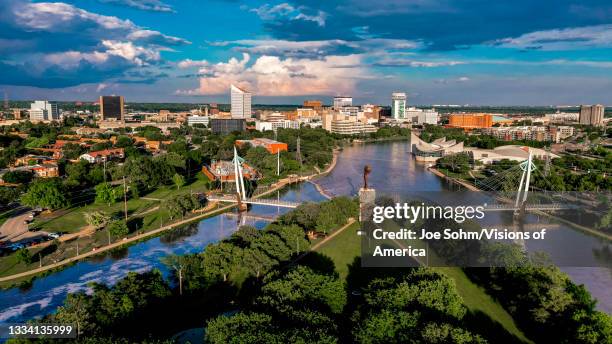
97	219
178	264
178	180
75	311
105	194
118	228
220	259
17	177
24	256
46	193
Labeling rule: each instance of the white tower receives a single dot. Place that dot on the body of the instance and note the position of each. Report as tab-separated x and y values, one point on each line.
240	102
398	105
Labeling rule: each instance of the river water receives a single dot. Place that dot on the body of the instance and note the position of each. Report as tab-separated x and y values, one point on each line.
394	172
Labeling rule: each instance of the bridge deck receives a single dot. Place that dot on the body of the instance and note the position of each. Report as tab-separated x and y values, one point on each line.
259	201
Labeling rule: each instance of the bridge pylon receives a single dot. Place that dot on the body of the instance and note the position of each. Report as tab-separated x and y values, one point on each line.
521	196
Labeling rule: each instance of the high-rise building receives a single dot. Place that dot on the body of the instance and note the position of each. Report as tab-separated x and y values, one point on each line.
592	114
43	110
398	105
227	125
240	102
112	108
340	102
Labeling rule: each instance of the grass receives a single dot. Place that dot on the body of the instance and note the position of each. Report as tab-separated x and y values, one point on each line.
74	219
343	249
477	300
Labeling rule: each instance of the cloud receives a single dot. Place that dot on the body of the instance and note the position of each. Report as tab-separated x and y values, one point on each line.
289	12
394	62
59	45
276	76
147	5
440	24
189	63
317	49
562	39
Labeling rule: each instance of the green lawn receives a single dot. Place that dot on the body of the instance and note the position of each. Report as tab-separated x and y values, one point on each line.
197	185
343	249
74	220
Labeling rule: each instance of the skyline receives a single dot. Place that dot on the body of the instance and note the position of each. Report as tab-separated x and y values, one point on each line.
438	52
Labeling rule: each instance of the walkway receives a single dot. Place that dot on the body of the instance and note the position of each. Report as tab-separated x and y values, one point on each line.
153	232
112	246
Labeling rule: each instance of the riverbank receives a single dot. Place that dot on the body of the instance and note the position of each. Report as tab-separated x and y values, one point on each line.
472	187
147	235
383	139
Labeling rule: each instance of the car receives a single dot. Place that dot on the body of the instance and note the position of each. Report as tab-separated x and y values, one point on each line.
16	246
54	235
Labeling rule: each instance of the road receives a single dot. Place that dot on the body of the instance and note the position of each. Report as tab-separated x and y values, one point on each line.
14	228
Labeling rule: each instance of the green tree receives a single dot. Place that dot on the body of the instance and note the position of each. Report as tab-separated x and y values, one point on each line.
118	228
105	193
178	180
46	193
24	256
97	219
17	177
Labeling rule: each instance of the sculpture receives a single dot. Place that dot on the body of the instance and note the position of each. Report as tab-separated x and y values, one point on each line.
366	171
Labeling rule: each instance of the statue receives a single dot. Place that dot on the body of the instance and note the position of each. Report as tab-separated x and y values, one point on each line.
366	171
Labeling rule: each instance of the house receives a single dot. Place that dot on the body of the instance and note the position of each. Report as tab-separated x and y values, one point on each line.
46	170
223	171
103	155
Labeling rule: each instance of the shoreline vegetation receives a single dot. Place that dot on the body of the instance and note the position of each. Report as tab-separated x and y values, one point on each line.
155	232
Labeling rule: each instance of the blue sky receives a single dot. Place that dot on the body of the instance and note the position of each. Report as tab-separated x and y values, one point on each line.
520	52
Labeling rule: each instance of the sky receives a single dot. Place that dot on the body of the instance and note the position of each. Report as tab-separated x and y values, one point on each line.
477	52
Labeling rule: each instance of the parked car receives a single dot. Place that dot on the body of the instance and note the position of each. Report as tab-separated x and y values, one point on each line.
16	246
54	235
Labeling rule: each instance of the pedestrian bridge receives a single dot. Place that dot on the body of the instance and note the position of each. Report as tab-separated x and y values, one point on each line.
258	201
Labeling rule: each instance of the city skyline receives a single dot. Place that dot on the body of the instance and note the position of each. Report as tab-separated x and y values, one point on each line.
437	52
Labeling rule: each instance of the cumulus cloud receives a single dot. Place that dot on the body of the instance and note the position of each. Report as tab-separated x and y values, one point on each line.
276	76
562	39
146	5
62	45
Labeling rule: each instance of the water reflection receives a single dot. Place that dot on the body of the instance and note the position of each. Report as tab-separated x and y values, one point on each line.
393	173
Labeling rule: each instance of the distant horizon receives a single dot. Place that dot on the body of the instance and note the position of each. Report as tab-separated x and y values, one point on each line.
127	101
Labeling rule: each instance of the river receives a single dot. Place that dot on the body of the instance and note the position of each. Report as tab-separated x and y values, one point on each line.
394	172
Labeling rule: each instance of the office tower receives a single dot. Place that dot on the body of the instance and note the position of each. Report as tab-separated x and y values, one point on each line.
592	114
43	110
398	105
111	108
226	125
240	102
340	102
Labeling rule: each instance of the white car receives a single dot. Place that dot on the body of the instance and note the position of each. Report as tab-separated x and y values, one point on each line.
54	235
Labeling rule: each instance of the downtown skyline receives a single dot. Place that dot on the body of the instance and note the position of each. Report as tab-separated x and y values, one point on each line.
437	51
